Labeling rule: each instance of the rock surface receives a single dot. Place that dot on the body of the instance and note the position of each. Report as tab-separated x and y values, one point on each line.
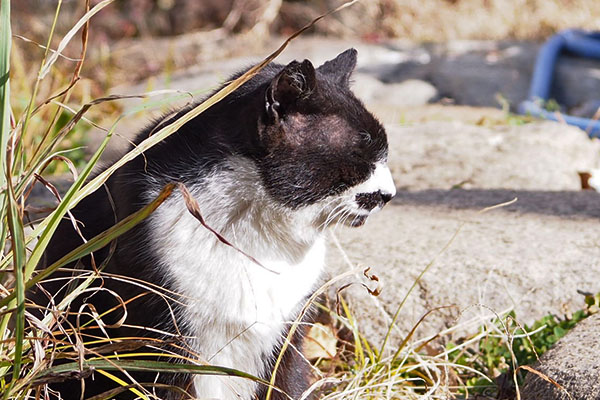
532	256
536	156
573	363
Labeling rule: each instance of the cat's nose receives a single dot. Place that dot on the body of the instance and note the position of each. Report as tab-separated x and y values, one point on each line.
386	197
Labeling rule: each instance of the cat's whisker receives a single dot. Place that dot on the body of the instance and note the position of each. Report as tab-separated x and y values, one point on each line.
333	200
338	215
346	216
332	215
342	219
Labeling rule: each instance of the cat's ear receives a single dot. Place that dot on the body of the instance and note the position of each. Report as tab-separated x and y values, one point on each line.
295	82
341	67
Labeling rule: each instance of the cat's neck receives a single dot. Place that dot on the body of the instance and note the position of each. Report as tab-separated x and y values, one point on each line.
233	203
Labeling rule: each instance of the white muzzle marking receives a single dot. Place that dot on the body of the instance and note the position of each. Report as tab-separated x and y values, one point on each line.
380	180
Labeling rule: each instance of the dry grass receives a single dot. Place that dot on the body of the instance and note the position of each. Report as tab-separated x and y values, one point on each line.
442	20
430	20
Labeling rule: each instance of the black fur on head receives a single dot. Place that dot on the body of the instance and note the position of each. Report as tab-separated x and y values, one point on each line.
306	132
295	83
318	138
341	67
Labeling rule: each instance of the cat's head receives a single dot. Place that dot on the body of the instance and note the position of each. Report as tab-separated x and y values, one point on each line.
323	149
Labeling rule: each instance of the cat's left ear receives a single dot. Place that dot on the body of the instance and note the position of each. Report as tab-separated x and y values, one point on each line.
341	67
294	83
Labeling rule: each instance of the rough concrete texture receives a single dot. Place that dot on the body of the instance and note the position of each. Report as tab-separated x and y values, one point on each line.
533	255
516	257
573	363
539	156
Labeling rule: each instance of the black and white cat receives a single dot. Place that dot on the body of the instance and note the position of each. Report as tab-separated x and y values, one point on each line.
288	154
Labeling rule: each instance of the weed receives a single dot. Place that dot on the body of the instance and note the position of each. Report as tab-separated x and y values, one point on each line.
496	353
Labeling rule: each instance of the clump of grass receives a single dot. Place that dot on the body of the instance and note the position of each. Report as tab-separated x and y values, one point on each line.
489	364
511	344
33	136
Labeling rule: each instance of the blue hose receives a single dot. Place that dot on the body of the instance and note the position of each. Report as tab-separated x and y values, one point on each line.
576	42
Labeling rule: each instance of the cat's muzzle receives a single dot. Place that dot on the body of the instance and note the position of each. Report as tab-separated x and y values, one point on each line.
368	203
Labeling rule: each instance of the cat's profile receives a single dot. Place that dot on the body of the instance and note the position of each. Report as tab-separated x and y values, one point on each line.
288	154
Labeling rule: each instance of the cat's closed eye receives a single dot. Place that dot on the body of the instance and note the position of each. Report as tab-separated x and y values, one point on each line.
365	137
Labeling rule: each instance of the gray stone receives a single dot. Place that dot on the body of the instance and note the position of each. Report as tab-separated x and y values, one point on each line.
409	93
577	82
539	156
476	73
574	363
478	77
366	87
532	256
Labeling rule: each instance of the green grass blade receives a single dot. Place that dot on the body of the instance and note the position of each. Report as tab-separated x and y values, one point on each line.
46	228
147	365
8	200
5	132
18	249
5	47
99	241
141	366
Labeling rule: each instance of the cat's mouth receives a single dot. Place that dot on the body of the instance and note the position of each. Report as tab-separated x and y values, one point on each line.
355	217
354	210
356	220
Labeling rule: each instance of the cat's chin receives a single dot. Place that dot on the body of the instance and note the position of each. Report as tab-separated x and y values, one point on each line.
351	218
356	221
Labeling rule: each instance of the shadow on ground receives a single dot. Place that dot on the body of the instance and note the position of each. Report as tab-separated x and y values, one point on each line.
557	203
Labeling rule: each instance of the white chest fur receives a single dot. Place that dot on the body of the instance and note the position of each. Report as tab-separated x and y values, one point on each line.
237	310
